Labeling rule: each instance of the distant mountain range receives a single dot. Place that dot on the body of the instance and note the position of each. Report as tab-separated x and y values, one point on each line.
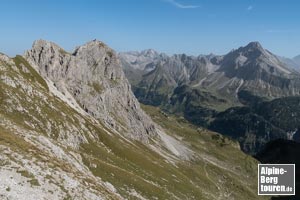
297	60
71	128
201	87
291	62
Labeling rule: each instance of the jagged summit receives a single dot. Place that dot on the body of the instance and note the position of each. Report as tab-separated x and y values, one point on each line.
44	44
252	50
92	80
139	59
251	61
93	45
93	77
149	52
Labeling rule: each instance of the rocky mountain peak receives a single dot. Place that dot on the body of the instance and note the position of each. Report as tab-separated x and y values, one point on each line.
254	45
93	77
44	46
95	47
149	53
43	43
253	59
253	51
140	60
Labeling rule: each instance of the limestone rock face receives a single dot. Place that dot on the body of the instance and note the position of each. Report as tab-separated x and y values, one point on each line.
51	148
93	77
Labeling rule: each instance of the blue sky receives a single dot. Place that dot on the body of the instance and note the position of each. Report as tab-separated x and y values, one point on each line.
171	26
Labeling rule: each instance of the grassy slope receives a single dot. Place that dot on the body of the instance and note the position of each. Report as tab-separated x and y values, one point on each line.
42	113
233	168
218	169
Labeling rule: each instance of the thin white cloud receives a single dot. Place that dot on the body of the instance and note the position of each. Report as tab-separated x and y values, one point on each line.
249	8
182	6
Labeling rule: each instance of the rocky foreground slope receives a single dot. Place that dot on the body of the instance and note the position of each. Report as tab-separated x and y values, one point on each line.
70	128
